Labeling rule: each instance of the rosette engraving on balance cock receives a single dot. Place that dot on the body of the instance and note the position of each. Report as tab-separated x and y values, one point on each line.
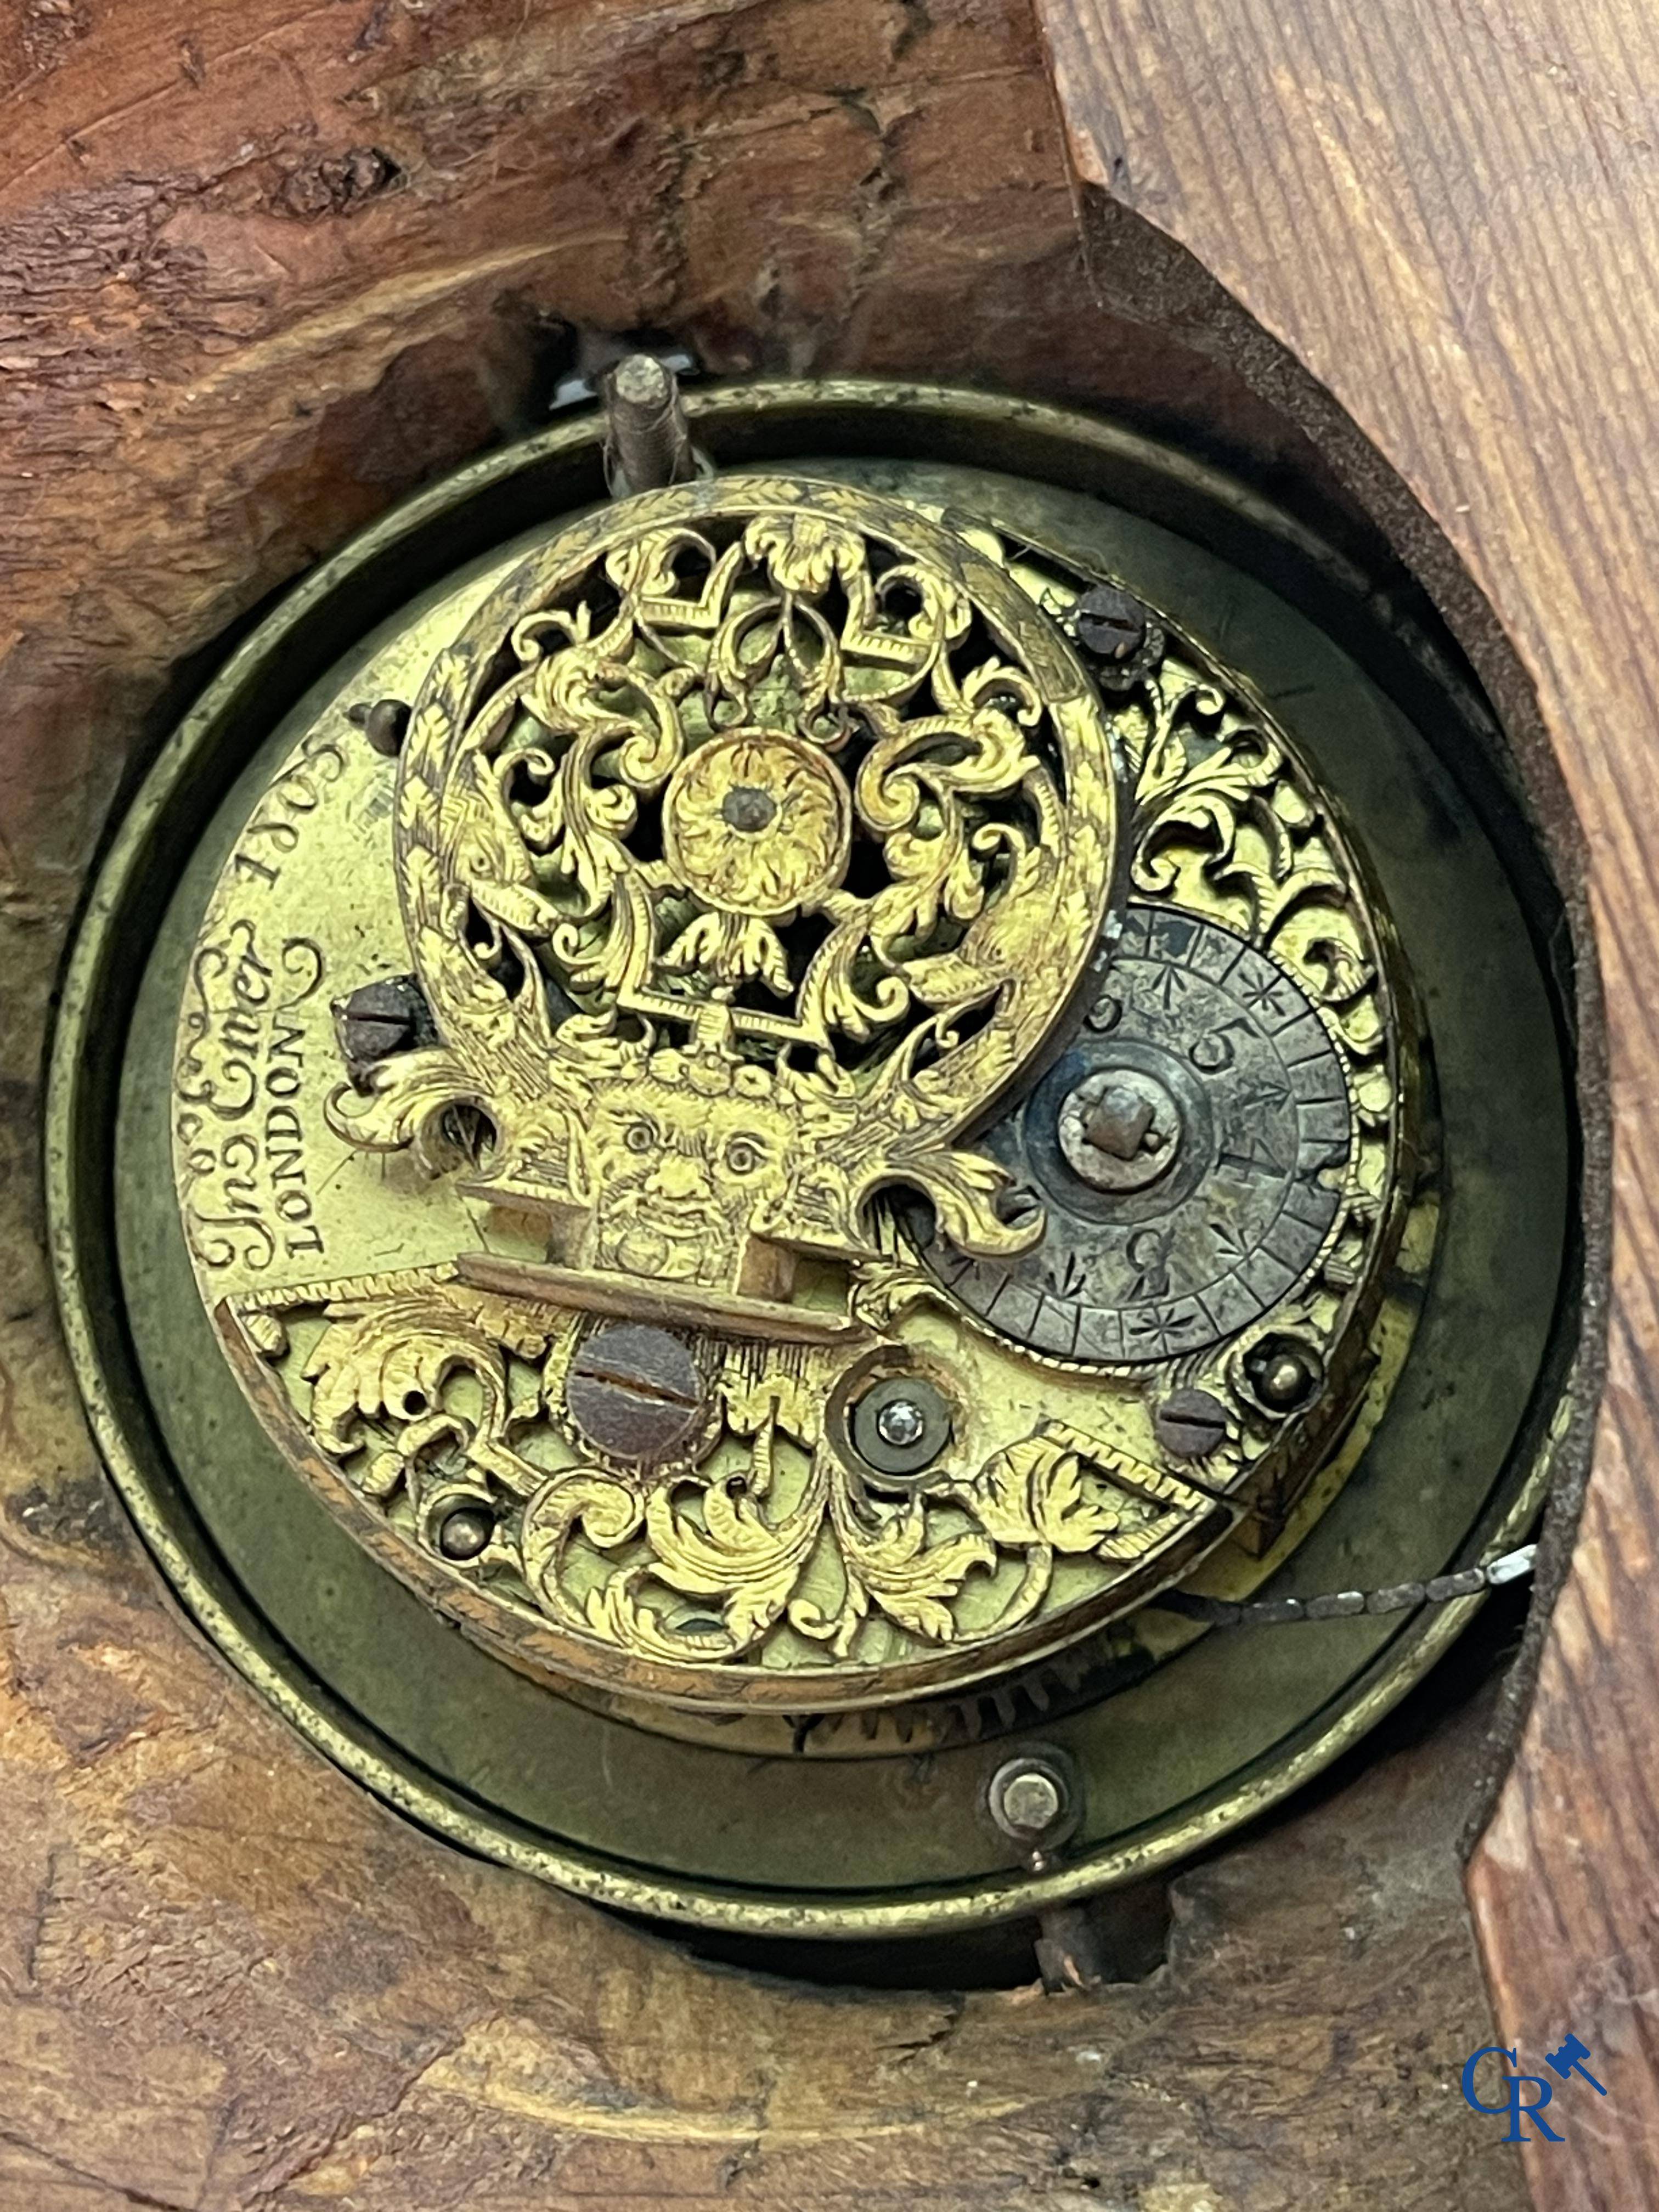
750	843
754	846
769	862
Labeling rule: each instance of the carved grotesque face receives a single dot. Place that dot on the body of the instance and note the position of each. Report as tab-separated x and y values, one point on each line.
684	1179
781	677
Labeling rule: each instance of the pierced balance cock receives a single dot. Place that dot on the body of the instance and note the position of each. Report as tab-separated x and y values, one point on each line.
856	1099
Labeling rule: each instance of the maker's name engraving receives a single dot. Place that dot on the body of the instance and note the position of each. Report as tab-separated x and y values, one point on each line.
239	1136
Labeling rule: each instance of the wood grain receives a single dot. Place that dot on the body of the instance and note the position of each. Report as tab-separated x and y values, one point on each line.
263	266
1448	216
230	1983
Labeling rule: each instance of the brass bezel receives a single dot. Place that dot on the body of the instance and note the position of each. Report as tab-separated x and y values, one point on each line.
476	506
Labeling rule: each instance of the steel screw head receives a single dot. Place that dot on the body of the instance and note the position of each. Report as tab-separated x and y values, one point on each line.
633	1391
901	1422
1190	1424
900	1425
1109	623
1032	1801
377	1019
464	1533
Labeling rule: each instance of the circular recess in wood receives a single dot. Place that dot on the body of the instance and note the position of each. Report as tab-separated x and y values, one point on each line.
1420	1410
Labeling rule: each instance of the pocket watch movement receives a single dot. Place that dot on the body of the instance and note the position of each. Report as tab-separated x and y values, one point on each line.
768	1122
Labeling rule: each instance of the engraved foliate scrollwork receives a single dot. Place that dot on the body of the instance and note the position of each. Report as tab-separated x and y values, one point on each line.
1230	1131
766	808
752	844
760	1546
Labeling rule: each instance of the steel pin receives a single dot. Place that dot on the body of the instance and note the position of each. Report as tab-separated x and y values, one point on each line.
648	440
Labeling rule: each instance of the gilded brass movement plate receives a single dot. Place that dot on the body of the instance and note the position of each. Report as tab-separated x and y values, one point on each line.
785	1101
747	846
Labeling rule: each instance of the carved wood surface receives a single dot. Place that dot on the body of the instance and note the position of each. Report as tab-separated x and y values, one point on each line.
265	266
1450	216
229	1983
261	266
